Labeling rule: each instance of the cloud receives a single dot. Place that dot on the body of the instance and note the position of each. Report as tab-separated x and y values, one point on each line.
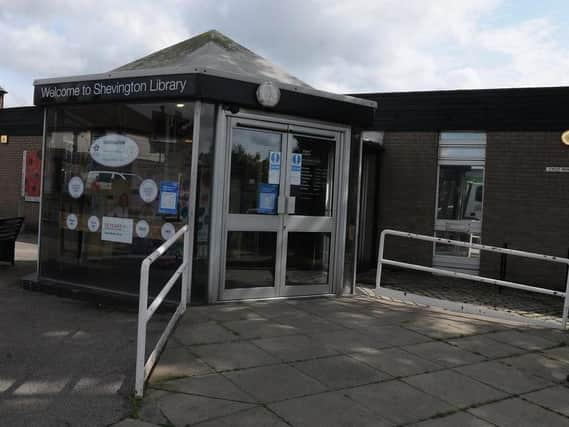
361	45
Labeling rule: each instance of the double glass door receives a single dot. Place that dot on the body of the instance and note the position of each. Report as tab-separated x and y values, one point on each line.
280	204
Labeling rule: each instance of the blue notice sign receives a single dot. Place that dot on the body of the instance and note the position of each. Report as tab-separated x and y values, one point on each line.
295	168
168	198
267	203
274	167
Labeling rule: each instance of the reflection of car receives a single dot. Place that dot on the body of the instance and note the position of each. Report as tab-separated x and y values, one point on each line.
103	180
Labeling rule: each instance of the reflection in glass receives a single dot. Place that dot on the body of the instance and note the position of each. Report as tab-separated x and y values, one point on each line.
250	259
308	258
460	192
314	194
457	251
253	189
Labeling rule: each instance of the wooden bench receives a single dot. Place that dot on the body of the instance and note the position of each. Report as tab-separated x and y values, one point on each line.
9	230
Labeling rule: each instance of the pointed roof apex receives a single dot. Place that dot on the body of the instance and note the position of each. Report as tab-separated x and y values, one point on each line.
213	50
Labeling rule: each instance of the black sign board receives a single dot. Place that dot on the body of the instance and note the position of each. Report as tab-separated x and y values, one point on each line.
123	89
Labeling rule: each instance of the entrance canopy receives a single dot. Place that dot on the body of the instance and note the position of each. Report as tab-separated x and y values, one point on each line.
210	67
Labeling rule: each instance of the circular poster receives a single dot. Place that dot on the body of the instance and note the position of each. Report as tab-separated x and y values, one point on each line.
142	229
75	187
148	190
93	223
71	221
167	231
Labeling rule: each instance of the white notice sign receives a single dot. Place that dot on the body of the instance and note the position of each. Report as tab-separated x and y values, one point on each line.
295	168
274	167
116	229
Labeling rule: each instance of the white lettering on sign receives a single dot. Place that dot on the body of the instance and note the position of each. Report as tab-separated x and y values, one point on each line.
117	229
559	169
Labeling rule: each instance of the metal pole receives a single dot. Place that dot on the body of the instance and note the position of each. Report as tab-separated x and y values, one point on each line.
141	334
186	280
380	260
565	304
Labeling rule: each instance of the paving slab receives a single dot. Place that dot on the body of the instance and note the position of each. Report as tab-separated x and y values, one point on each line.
443	354
394	336
341	371
559	353
396	362
455	388
258	417
503	377
260	328
481	344
398	402
183	409
523	340
553	398
326	410
177	362
211	385
227	312
346	341
236	355
294	348
462	419
441	327
130	422
208	332
539	365
519	413
275	383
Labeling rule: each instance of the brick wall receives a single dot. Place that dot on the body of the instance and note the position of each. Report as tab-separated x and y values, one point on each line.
525	206
407	192
11	202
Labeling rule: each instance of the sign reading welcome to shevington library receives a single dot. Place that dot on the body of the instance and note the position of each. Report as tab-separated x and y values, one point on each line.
124	89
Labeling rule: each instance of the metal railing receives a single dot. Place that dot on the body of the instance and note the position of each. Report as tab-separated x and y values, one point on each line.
384	261
145	312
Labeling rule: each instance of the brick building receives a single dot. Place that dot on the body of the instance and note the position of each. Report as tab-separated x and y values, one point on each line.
21	132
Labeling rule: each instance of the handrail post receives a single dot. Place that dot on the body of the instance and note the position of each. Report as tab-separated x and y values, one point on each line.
565	304
380	259
141	333
185	286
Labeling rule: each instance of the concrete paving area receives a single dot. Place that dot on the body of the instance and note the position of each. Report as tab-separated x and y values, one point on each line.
353	362
63	362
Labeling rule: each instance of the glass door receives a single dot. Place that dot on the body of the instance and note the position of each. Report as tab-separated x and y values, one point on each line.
280	204
460	199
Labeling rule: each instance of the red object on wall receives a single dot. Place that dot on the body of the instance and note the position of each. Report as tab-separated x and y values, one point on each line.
32	175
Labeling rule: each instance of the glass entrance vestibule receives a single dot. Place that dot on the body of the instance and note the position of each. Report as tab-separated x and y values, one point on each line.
281	208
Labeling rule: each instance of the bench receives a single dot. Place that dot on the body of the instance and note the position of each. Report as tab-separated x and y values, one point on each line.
9	230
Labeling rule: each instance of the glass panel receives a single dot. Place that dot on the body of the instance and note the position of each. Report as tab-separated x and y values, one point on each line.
460	193
308	258
462	138
457	251
255	172
313	189
116	185
251	259
462	153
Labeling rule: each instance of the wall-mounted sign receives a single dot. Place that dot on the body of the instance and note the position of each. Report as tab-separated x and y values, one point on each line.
274	167
268	94
167	231
3	139
295	168
75	187
31	175
168	198
267	200
565	137
148	190
115	89
114	150
557	169
142	229
117	229
71	221
93	224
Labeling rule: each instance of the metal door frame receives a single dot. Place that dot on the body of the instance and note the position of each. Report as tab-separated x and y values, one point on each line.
220	199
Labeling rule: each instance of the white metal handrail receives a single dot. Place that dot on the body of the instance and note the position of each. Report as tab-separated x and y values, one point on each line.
381	261
145	312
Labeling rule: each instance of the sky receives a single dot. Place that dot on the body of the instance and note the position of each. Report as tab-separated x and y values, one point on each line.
341	46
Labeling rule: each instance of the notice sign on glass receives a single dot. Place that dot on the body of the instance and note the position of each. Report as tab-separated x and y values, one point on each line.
295	168
267	203
274	167
168	198
116	229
